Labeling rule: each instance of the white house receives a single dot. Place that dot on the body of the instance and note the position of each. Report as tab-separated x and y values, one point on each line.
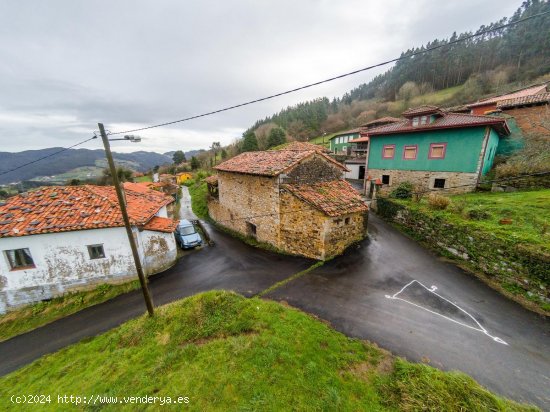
57	239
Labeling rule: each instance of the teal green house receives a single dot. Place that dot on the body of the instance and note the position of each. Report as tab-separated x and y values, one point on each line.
340	143
433	149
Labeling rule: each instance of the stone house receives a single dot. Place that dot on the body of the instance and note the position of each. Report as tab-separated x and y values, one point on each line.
57	239
294	199
433	150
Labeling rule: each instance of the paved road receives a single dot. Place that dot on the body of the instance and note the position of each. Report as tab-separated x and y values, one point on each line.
229	264
350	292
185	205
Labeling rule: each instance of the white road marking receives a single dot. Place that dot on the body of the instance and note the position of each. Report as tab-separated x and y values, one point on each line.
432	290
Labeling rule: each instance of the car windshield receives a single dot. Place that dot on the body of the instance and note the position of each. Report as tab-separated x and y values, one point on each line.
186	230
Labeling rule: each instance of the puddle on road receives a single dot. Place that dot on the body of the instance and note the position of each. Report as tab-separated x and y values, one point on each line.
426	298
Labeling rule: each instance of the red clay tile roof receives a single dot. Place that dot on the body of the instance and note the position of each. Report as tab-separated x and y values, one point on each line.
424	109
270	162
362	139
541	88
541	98
62	209
301	146
382	120
446	121
333	198
161	224
212	180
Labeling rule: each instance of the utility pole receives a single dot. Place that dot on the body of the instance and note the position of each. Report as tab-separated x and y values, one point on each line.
124	212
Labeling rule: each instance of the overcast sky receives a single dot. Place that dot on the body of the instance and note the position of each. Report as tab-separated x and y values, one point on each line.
67	64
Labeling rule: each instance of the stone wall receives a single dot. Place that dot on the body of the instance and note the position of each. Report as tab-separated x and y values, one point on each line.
425	179
312	170
313	234
246	199
517	267
529	119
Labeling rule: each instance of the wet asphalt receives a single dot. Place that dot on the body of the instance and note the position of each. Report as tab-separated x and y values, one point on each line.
444	329
363	294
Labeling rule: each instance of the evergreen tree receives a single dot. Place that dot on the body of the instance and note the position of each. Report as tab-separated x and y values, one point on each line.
178	157
250	143
195	164
276	137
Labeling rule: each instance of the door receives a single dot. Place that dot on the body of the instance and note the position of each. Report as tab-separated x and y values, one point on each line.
361	172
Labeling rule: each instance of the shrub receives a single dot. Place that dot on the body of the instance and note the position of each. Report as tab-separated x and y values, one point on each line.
403	191
477	213
438	202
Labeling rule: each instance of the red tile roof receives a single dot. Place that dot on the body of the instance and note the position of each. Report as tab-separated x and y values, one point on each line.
301	146
541	88
362	139
424	109
161	224
67	208
445	121
270	162
541	98
382	120
333	198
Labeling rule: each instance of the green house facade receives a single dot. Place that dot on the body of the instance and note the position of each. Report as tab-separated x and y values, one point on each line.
433	150
340	143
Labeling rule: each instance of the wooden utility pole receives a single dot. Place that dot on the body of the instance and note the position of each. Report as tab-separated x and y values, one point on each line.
126	219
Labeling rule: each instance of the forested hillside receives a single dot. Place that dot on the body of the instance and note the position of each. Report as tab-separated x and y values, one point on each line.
493	62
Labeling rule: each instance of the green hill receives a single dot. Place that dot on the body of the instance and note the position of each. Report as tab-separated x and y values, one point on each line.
224	352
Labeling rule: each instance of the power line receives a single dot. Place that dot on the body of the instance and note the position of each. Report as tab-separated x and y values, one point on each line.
47	156
471	36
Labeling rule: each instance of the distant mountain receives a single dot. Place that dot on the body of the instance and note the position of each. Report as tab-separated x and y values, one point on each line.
188	154
68	160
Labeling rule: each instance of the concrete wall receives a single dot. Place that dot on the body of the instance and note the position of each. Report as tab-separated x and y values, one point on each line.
62	262
353	171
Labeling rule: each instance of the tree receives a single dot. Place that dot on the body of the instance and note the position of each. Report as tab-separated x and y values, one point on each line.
250	143
224	154
178	157
276	137
215	146
74	182
156	169
124	175
195	163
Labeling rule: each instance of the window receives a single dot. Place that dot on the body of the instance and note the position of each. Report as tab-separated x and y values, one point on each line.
251	229
347	220
385	179
437	151
19	258
409	152
96	251
424	120
415	121
439	183
388	151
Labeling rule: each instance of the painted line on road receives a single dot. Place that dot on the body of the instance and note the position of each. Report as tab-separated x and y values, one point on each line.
432	290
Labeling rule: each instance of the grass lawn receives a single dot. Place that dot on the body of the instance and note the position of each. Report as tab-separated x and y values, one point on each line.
145	178
529	213
31	317
225	352
198	191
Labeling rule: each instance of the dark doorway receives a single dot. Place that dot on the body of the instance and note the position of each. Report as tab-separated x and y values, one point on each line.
361	172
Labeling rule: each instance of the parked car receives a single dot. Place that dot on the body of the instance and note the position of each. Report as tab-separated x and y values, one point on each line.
186	235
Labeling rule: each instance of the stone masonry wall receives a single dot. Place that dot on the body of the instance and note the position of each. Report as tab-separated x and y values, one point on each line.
343	231
312	170
302	233
425	179
529	119
247	198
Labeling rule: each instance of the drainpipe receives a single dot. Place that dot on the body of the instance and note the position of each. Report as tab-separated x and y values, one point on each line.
485	141
366	169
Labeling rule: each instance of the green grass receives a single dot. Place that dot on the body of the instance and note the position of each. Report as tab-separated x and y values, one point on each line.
225	352
199	192
326	139
30	317
528	210
145	178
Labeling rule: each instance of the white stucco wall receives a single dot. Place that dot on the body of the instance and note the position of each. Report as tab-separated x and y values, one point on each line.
163	212
62	262
354	171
